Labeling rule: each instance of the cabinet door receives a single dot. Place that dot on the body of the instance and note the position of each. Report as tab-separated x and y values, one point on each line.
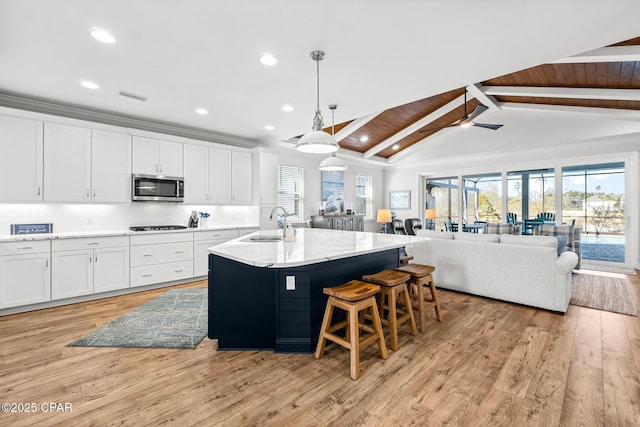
241	178
20	159
196	165
220	176
201	257
71	274
266	183
67	163
24	279
170	158
110	167
110	269
144	156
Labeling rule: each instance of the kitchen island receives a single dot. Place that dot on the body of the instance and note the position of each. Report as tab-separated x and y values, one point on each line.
267	295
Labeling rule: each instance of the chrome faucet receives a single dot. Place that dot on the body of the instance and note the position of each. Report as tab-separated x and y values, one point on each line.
284	221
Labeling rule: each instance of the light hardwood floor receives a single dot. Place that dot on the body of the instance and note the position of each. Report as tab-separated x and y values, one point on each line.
488	363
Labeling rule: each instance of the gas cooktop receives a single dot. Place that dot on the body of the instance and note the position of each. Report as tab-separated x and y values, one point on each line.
157	227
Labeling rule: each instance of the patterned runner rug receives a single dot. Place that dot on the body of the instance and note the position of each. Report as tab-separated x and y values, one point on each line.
603	293
175	319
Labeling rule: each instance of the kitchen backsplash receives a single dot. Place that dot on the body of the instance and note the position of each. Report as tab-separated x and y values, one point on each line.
97	217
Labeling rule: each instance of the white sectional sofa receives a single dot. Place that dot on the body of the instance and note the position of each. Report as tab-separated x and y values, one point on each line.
521	269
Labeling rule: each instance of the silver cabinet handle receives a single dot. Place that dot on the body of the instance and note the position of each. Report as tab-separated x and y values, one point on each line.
156	167
90	259
160	168
178	252
93	243
24	248
147	254
87	192
94	192
96	258
147	275
38	191
46	262
178	271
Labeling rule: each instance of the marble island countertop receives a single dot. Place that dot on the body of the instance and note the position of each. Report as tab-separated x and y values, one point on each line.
311	245
110	233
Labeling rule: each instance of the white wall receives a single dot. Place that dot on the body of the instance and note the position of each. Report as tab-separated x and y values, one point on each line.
312	182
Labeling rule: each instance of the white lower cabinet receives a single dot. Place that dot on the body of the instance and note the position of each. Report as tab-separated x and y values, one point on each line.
24	273
85	266
202	241
158	258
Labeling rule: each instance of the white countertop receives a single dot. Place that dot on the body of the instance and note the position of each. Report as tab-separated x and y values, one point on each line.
312	245
108	233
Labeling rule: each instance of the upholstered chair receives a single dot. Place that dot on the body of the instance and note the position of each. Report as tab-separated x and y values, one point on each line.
412	225
397	226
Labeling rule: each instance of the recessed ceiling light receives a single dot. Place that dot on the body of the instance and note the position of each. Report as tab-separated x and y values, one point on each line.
395	147
102	36
268	59
364	138
287	108
269	127
89	85
202	111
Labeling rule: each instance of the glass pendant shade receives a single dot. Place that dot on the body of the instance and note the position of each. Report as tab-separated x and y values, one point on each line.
332	163
317	141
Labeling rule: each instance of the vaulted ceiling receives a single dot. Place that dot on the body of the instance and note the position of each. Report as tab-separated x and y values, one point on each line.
605	78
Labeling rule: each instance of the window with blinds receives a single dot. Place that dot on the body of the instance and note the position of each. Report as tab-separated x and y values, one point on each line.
364	196
291	190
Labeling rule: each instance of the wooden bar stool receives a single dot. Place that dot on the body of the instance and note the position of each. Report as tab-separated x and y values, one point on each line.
353	297
420	278
393	286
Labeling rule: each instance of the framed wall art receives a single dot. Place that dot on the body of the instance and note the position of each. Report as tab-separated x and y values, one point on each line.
400	199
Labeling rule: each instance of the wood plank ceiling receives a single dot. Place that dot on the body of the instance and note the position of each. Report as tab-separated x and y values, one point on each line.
591	80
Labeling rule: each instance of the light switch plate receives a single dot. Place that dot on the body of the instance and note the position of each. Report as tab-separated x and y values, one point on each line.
291	283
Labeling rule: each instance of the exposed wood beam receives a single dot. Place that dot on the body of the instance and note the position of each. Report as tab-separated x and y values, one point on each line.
414	127
411	149
564	92
354	126
604	54
477	91
614	113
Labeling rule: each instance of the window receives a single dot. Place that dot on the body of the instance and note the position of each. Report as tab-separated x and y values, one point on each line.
531	192
364	196
483	198
445	193
291	191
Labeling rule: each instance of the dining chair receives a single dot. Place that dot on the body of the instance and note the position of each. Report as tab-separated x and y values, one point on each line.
529	225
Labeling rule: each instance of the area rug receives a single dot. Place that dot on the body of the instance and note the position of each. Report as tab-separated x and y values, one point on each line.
603	293
175	319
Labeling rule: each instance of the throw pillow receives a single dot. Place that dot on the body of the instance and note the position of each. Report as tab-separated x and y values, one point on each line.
495	228
562	243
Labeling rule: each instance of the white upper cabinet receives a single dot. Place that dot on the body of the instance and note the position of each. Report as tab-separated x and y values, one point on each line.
67	163
265	178
81	165
157	157
196	170
219	176
21	154
241	178
110	167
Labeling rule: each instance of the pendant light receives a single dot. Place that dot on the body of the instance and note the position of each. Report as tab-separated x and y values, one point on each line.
332	163
317	141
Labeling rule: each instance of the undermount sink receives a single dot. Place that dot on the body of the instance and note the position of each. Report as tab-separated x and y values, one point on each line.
263	238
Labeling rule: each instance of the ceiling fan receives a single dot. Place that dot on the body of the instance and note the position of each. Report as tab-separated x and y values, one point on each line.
467	120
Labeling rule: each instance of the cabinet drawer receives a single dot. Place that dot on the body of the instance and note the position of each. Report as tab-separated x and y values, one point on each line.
161	253
89	243
215	235
159	273
26	247
153	238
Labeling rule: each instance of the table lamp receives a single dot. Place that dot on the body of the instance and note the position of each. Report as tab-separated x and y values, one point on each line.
431	215
384	217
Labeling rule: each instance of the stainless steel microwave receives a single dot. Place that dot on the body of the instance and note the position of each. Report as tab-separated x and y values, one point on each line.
151	188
